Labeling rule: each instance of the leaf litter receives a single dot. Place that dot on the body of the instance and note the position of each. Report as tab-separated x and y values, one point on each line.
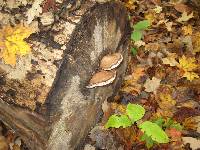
162	76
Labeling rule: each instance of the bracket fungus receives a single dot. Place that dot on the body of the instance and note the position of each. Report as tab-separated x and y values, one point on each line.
111	61
102	78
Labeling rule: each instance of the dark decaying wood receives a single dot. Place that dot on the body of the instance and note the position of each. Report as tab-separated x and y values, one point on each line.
71	109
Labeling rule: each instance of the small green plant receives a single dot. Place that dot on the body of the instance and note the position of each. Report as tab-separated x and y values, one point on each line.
133	51
136	34
168	123
153	132
134	113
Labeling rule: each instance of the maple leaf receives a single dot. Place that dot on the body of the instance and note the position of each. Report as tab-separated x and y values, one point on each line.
12	43
190	75
185	17
187	64
152	85
170	59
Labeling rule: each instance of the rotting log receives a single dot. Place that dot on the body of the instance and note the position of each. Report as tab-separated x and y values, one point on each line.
63	120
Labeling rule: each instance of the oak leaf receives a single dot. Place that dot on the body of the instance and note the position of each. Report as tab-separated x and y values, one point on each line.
12	43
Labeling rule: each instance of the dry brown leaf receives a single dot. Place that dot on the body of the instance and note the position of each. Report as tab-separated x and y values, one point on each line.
157	9
190	123
180	7
139	43
173	133
169	26
130	84
3	143
34	11
170	59
194	143
156	2
152	47
152	85
185	17
196	42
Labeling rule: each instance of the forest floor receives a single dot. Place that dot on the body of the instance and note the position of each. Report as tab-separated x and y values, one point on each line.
162	83
162	77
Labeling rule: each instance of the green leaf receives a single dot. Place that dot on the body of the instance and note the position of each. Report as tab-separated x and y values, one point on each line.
148	140
154	131
142	25
133	51
136	35
159	121
168	123
135	112
118	121
177	126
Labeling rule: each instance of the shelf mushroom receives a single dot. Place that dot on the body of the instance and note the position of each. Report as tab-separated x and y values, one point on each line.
111	61
102	78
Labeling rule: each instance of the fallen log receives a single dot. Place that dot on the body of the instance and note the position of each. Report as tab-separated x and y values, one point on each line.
68	110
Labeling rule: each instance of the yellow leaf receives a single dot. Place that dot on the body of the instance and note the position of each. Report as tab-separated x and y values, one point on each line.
190	75
185	17
150	17
187	30
166	105
167	100
187	64
130	4
12	43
